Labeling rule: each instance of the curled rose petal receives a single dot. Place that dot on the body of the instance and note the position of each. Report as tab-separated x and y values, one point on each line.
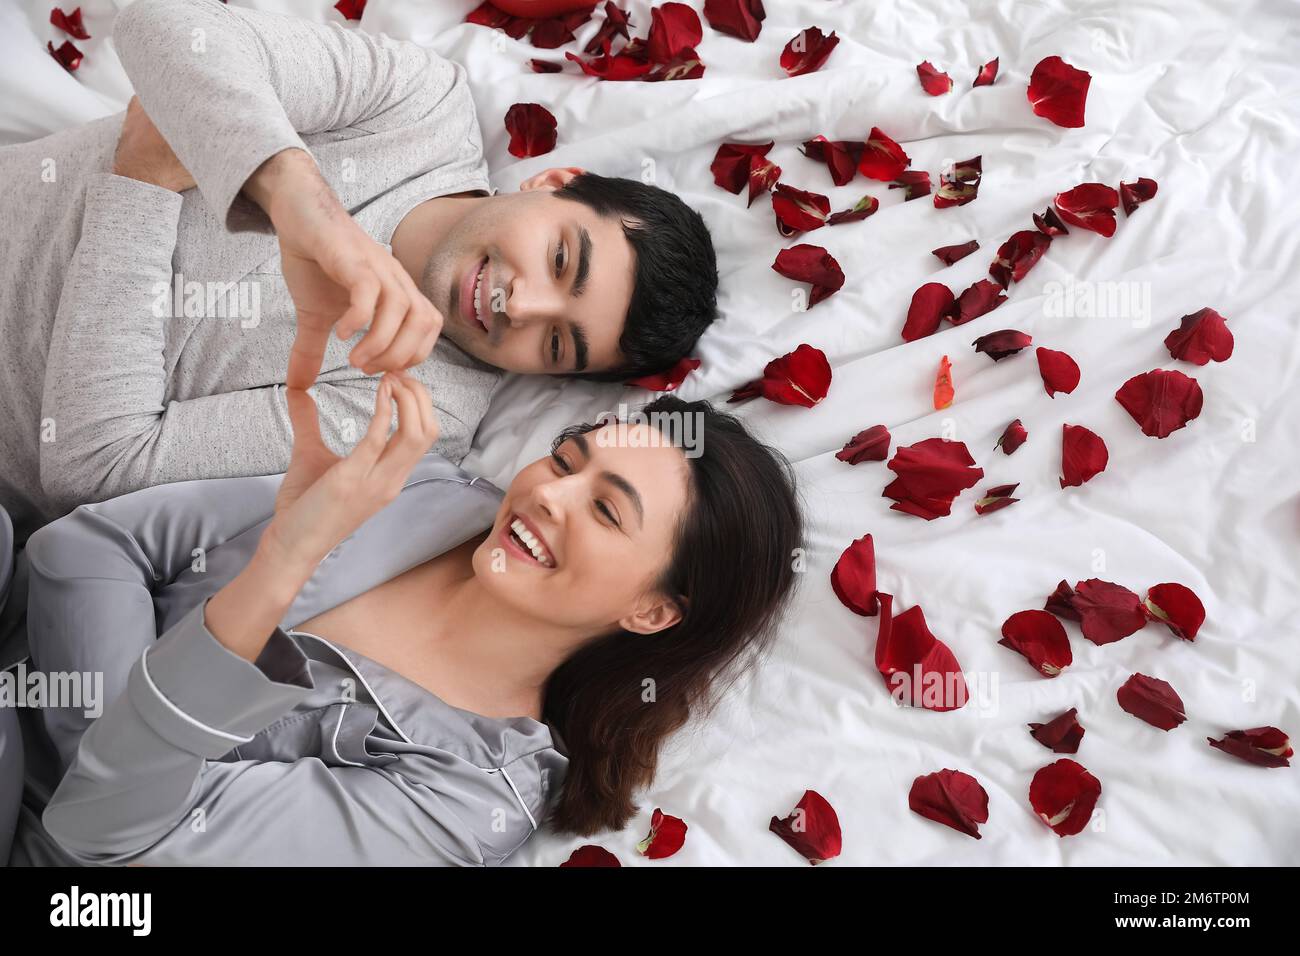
863	208
72	25
841	157
1177	606
979	298
1161	401
532	129
1063	794
1061	602
1018	255
614	25
350	9
1152	700
591	855
955	253
806	263
801	377
735	164
798	210
1061	734
1083	455
1060	372
987	74
918	668
545	66
960	184
1132	195
952	798
1089	206
807	51
1013	436
943	390
931	473
870	444
1059	92
668	380
932	81
812	829
1108	612
997	498
613	67
1049	223
915	182
666	836
742	19
882	158
1201	338
998	345
67	55
853	579
1262	746
675	31
1040	638
930	304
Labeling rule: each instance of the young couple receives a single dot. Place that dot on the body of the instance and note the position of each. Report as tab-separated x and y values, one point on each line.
374	658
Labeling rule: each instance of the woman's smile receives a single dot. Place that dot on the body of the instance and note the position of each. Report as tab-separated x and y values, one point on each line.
525	542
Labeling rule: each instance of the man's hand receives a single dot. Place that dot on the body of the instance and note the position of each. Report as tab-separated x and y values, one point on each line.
143	154
339	277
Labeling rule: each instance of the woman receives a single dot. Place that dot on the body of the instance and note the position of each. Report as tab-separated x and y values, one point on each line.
370	677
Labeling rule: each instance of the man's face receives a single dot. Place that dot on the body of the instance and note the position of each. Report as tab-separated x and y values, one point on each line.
554	282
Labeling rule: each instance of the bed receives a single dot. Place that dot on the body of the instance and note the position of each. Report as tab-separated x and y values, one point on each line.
1196	95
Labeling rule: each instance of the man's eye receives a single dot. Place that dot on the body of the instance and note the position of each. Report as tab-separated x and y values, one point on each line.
555	348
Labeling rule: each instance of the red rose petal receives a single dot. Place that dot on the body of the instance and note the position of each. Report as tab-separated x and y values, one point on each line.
591	855
1061	734
932	81
1040	638
550	32
72	25
918	668
67	55
1089	206
997	498
1152	700
853	579
915	182
1013	436
805	263
807	51
1049	223
798	210
1059	92
1108	612
943	390
675	31
1262	746
987	74
979	298
931	473
1177	606
998	345
812	829
841	157
863	208
531	128
870	444
952	798
1201	338
1061	602
930	304
668	380
1161	401
545	66
960	184
614	67
666	836
955	253
742	19
734	164
1083	455
1060	372
801	377
351	9
1132	195
1018	255
882	158
1063	794
614	25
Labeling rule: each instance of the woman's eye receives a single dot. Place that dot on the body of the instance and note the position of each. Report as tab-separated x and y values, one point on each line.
559	461
559	264
605	510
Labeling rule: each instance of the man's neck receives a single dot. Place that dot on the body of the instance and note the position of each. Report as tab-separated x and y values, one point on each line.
423	228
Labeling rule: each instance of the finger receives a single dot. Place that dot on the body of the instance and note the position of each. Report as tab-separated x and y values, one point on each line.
306	356
404	351
393	304
408	443
368	450
424	401
363	295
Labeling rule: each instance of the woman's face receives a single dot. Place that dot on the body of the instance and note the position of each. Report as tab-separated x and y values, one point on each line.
582	536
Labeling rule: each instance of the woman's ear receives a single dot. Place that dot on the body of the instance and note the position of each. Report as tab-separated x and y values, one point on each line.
552	178
656	613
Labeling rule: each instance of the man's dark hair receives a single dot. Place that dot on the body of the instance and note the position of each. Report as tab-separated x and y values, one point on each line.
675	292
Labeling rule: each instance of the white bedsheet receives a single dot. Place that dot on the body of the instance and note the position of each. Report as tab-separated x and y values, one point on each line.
1202	97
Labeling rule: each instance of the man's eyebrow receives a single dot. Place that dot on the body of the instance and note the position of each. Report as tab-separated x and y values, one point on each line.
579	347
584	262
625	486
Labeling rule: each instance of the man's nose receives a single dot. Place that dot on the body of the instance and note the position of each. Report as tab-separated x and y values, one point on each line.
529	302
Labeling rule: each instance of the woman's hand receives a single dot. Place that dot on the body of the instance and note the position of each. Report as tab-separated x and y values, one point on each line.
323	498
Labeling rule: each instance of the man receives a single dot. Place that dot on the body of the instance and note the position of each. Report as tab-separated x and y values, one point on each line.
342	226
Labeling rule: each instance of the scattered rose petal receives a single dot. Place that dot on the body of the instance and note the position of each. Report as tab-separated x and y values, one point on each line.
863	208
666	381
952	798
1013	436
918	668
545	66
943	390
614	67
1018	255
1177	606
1059	92
915	182
960	184
67	55
801	377
531	128
853	579
591	855
675	32
931	473
737	164
1060	372
930	304
1108	612
1089	206
351	9
805	263
798	210
979	298
955	253
841	157
1061	734
1152	700
996	498
1050	224
1083	455
1061	602
72	25
614	25
1132	195
1262	746
812	829
1063	794
1161	401
870	444
666	836
998	345
1040	638
882	158
932	81
807	51
742	19
1201	338
987	74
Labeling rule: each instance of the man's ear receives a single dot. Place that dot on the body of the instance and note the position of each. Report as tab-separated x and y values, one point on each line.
655	613
552	178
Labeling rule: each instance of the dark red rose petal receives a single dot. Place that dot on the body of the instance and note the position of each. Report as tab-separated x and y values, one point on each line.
591	855
545	66
997	498
614	25
882	158
1177	606
932	81
798	210
666	836
812	829
918	668
547	33
1012	437
1049	223
805	263
1040	638
1161	401
1152	700
987	74
1018	255
952	798
68	56
960	184
614	67
915	182
1201	338
1061	602
666	381
1063	794
1262	746
1060	372
1089	206
955	253
931	473
979	298
870	444
853	579
863	208
351	9
742	19
807	51
930	304
531	128
1061	734
675	31
1132	195
1083	455
801	377
1107	612
841	157
998	345
1059	92
72	25
733	161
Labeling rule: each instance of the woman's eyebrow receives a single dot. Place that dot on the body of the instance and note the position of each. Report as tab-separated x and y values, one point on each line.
625	486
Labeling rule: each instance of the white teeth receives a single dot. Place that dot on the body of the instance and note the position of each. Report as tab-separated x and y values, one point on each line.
521	531
478	293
